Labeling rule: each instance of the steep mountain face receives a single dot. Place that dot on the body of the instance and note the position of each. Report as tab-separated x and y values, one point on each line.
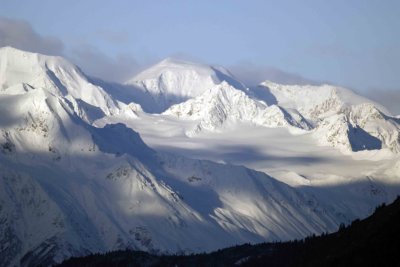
369	242
174	81
359	127
311	100
223	104
341	118
22	71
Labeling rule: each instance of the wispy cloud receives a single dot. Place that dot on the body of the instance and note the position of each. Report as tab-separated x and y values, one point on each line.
96	63
21	35
111	36
329	51
252	74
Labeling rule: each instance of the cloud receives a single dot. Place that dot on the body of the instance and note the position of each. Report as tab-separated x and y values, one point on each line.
111	36
21	35
389	98
252	74
330	51
96	63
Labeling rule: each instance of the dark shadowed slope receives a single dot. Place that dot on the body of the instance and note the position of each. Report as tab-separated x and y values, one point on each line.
374	241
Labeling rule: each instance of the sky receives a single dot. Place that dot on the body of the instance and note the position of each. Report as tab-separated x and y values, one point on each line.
355	43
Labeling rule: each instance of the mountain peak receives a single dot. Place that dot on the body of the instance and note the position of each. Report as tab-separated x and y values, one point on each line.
308	97
170	64
30	57
10	49
173	81
21	69
171	61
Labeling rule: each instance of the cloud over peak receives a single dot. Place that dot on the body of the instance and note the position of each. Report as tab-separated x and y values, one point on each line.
21	35
252	74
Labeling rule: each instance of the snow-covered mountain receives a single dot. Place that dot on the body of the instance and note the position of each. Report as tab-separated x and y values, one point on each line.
223	104
335	116
174	81
69	187
214	99
22	71
342	119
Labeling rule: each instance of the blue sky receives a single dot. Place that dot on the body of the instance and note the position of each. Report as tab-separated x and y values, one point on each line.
351	43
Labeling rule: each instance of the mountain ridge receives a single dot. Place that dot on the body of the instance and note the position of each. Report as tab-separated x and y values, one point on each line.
368	242
72	187
173	81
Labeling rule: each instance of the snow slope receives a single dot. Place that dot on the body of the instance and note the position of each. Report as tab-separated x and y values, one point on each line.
22	71
174	81
314	101
223	104
70	188
215	100
341	118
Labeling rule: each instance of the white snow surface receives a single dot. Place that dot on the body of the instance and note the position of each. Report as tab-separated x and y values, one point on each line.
314	101
222	166
173	81
341	118
22	71
224	104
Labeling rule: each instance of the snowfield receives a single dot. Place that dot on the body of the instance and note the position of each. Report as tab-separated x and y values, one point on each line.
182	158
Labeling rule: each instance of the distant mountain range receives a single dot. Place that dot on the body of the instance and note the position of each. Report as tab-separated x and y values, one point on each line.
77	177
